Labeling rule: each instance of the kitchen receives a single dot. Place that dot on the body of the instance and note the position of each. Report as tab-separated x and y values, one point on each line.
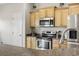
44	29
52	27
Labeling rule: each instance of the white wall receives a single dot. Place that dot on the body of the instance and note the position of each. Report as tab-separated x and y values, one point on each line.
12	24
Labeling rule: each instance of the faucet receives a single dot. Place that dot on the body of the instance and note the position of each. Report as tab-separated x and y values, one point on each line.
63	34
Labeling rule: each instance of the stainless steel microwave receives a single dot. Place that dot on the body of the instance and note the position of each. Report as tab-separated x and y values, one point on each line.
46	22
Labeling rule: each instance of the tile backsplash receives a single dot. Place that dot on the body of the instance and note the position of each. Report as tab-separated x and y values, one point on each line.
41	29
54	29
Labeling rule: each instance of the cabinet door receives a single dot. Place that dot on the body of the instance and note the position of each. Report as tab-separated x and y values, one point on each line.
36	19
32	19
50	12
64	45
64	17
28	42
55	43
33	42
57	17
74	9
42	13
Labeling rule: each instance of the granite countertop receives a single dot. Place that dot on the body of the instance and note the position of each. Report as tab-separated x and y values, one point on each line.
7	50
57	52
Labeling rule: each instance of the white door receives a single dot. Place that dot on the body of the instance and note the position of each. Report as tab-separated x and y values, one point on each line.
17	39
6	30
11	30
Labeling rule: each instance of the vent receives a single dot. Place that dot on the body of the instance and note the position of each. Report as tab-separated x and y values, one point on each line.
61	4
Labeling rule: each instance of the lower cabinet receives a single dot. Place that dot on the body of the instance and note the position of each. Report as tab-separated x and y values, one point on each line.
55	43
31	42
64	45
28	42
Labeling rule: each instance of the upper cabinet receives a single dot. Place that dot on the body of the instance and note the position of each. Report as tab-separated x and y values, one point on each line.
61	15
42	13
37	19
32	19
50	12
74	9
35	16
46	12
57	17
64	16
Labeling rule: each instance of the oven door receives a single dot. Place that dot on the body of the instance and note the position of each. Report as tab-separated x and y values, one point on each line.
43	44
72	35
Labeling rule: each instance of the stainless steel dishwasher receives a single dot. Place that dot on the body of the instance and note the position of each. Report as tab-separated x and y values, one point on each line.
43	44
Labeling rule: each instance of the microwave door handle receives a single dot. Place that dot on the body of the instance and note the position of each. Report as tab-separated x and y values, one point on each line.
49	22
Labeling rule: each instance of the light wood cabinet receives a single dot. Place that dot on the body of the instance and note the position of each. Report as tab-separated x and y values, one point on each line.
55	43
74	9
42	13
31	42
64	45
28	42
61	15
32	19
35	16
64	16
50	12
37	19
46	12
57	17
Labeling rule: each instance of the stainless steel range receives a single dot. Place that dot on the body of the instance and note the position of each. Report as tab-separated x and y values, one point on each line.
45	41
49	34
